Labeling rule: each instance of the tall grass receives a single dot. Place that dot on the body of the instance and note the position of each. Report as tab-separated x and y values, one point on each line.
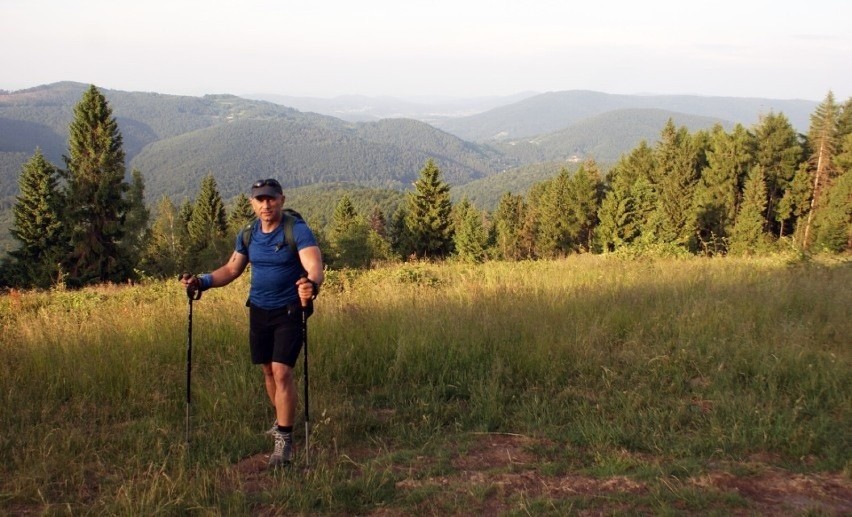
681	361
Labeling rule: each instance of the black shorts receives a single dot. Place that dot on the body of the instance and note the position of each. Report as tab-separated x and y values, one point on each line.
275	335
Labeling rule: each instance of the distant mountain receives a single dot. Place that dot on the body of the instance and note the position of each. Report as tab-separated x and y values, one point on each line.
549	112
359	108
175	140
603	137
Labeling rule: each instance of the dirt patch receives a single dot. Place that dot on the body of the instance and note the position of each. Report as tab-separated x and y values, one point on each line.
494	471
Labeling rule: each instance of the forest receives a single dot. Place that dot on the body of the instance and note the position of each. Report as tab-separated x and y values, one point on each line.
717	191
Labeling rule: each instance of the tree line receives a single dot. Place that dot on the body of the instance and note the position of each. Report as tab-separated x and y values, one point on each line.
710	192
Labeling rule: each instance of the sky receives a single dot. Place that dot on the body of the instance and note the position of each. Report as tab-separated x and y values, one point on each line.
776	49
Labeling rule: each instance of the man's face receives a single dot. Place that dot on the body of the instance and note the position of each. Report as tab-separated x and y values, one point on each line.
266	208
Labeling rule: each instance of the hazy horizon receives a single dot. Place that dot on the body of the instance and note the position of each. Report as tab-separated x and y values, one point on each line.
432	49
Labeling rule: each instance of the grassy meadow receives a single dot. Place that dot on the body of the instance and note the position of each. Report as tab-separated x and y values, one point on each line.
590	384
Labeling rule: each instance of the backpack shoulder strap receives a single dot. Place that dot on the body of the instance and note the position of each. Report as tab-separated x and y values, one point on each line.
289	220
245	234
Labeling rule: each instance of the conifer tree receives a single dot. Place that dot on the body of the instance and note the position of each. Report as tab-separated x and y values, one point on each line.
240	215
554	236
429	214
675	179
508	221
350	237
779	153
208	227
38	225
378	222
822	138
749	232
833	223
136	230
622	214
470	237
729	158
584	192
96	206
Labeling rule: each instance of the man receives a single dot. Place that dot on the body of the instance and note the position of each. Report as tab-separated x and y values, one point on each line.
282	283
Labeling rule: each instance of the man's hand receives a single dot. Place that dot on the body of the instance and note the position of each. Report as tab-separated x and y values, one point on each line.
308	290
192	284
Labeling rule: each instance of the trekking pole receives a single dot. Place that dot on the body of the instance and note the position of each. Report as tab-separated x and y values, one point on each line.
192	293
305	306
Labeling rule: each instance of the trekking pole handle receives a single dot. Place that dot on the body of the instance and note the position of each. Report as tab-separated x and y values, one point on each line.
193	290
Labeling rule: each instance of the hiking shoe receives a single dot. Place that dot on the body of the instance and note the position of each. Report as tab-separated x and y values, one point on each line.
283	453
272	430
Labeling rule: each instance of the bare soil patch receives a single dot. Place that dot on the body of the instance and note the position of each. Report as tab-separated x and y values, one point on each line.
494	471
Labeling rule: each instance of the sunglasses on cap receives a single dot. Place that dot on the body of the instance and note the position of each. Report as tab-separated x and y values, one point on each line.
271	182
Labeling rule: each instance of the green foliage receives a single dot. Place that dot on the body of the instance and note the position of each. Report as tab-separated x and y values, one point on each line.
428	217
833	222
470	237
209	240
240	215
749	231
166	254
96	204
39	226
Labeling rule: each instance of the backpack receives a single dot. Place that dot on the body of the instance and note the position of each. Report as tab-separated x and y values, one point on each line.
288	219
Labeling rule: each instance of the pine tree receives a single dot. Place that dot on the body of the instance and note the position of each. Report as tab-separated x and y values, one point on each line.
621	215
378	222
833	223
240	215
38	225
95	193
584	193
675	180
554	236
349	236
779	153
470	237
508	221
429	214
208	227
822	138
749	232
729	159
136	230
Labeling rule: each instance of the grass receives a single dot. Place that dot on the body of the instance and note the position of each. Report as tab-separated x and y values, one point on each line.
658	372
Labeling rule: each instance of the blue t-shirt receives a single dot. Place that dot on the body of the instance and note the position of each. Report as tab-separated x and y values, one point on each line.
274	266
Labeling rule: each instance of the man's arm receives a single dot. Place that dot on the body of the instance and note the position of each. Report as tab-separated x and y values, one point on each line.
220	277
312	263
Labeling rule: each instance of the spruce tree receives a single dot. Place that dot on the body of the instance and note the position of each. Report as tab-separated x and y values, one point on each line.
470	237
584	193
749	232
378	222
96	206
675	179
349	237
779	152
729	159
38	225
240	215
508	221
135	222
208	227
624	211
822	139
554	236
833	223
428	217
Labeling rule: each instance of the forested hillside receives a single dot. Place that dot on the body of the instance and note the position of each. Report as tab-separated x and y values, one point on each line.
603	137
